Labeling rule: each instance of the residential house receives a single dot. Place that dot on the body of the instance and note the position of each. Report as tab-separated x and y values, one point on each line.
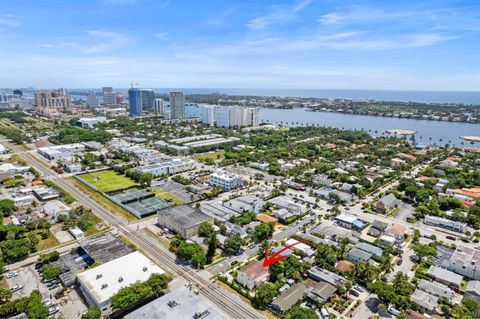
396	231
252	275
473	291
445	276
465	261
386	203
425	301
435	288
289	298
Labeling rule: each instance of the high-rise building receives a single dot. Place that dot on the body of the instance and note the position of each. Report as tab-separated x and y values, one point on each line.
109	97
57	99
236	116
18	92
135	101
177	105
158	106
206	114
92	101
119	99
148	96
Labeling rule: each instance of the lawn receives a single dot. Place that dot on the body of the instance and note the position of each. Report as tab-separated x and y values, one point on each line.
214	156
107	181
47	243
167	196
99	198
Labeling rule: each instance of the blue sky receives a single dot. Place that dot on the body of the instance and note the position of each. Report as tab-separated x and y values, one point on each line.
395	45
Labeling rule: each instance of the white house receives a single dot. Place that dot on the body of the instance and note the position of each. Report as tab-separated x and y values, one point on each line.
252	275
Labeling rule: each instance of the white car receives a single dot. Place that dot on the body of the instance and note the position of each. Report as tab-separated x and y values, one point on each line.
16	288
52	310
394	311
12	274
48	302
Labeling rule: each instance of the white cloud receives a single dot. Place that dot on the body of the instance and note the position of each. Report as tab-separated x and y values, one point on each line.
359	13
9	21
103	41
161	35
278	14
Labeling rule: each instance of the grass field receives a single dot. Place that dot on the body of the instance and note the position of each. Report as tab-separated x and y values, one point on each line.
50	242
214	156
111	206
107	181
167	197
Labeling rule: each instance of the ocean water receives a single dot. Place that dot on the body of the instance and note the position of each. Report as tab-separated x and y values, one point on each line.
402	96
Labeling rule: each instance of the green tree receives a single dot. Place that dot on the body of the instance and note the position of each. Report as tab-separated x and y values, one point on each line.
139	291
264	295
262	232
5	294
50	271
6	207
92	313
232	244
298	312
212	247
206	230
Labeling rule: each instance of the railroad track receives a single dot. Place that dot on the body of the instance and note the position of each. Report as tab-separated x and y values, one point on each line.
230	304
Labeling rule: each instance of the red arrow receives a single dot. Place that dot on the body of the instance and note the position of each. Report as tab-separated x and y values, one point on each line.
275	258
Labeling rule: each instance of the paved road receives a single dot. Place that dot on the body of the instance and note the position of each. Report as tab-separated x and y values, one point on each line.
225	264
233	306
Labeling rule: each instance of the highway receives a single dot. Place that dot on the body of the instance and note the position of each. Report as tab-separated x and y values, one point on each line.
229	303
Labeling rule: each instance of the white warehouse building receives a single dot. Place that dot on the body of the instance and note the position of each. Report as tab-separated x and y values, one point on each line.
99	284
226	181
174	166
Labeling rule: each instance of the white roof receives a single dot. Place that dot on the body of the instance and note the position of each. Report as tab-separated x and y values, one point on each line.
132	268
55	206
346	218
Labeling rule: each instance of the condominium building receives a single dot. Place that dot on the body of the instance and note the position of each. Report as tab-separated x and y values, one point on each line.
109	97
134	102
236	116
226	181
207	114
158	106
57	99
177	105
148	98
92	101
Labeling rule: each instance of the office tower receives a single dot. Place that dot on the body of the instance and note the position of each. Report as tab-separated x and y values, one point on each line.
18	92
109	97
148	96
158	106
135	101
57	99
177	105
92	100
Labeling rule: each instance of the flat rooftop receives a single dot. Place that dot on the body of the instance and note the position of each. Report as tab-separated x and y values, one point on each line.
106	280
105	248
185	305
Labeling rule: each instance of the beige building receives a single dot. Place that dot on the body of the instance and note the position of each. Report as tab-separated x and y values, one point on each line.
252	275
57	99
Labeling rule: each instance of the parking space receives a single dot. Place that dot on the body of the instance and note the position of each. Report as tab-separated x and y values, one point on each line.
68	302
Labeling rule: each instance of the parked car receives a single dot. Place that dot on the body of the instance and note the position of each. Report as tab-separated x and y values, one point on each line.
16	288
324	313
233	263
394	311
52	310
399	262
53	283
47	302
359	288
451	238
354	292
477	247
12	274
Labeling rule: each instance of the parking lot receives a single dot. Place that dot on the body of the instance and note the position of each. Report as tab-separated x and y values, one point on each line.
70	304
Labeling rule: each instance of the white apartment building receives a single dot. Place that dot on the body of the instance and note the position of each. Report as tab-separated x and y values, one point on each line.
158	106
445	223
207	114
92	101
226	181
236	116
174	166
465	261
